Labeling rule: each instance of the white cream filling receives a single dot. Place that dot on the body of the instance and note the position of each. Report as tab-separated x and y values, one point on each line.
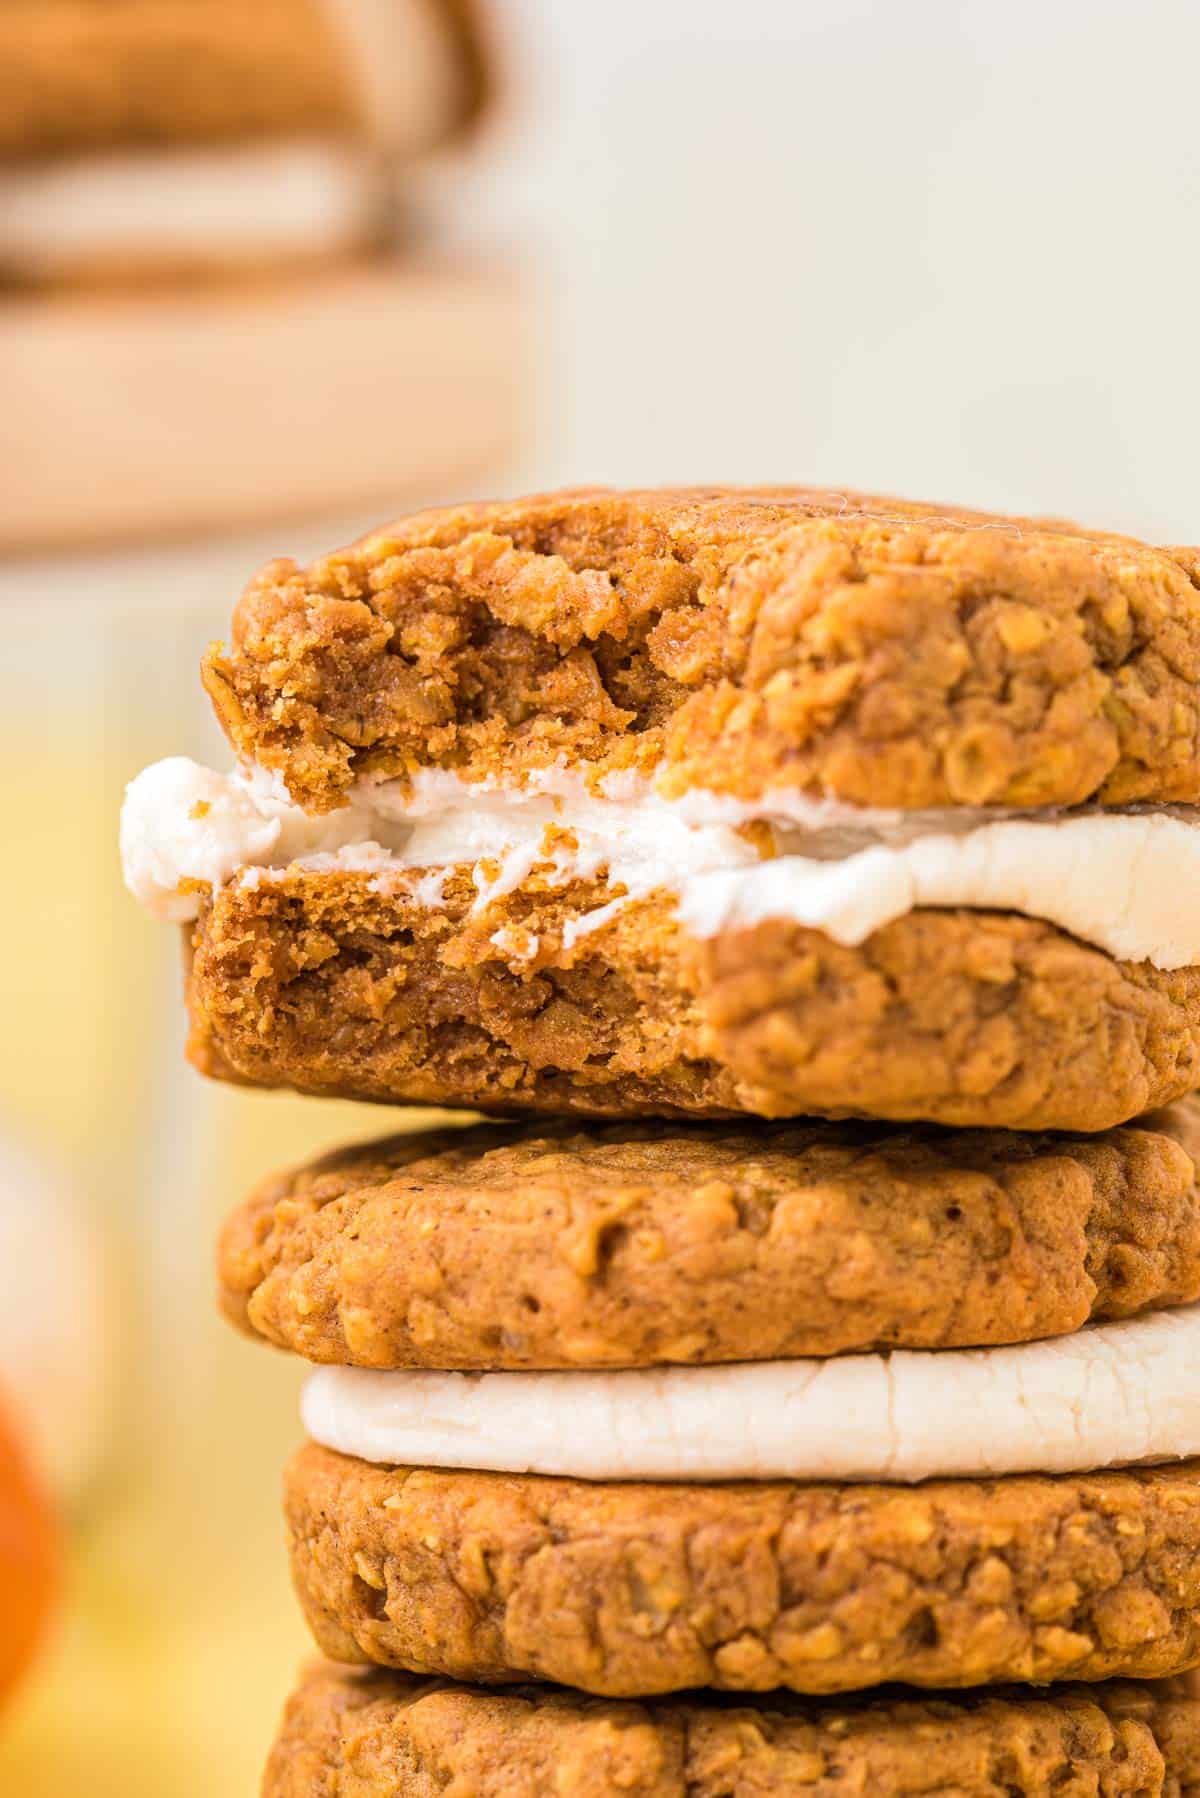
1128	882
1110	1395
301	196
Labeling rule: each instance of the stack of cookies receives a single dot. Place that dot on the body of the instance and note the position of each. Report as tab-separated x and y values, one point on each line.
813	881
220	272
148	139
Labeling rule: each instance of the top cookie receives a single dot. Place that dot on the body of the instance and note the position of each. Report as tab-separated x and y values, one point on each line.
865	649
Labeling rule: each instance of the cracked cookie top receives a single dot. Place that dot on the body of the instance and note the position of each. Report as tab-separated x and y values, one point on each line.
741	641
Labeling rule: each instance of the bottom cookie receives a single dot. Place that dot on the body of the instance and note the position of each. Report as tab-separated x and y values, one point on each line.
628	1588
387	1735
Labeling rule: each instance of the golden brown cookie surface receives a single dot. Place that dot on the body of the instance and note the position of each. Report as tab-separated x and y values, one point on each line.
627	1245
79	76
625	1589
883	653
324	982
383	1735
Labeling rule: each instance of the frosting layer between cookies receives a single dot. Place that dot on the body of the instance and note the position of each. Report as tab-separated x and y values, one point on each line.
1110	1395
1127	881
304	197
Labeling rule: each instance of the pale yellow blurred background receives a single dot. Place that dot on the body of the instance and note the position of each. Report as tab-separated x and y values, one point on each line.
944	249
178	1639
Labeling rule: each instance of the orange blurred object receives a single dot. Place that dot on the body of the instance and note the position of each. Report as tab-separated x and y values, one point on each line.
29	1559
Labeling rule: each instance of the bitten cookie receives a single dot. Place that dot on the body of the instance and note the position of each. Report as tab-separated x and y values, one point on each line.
739	641
975	1019
701	803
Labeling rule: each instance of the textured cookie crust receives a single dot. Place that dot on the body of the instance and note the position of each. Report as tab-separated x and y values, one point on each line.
79	75
381	1735
543	1246
323	982
885	653
627	1590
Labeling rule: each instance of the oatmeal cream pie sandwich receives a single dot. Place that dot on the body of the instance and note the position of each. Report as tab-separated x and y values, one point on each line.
701	802
380	1735
586	1415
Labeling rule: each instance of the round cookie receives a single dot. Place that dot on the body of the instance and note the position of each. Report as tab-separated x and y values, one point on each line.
739	640
629	1245
333	982
632	1589
383	1735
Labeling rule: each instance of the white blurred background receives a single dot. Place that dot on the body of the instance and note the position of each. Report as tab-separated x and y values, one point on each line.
948	250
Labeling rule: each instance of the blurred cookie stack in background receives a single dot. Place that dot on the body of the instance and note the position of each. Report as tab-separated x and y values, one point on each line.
208	258
233	288
658	819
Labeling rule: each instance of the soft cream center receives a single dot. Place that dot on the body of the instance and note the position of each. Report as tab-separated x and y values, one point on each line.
1109	1395
1128	882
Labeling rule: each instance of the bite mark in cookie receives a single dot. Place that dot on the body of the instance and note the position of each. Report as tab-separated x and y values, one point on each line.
740	640
631	793
327	983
